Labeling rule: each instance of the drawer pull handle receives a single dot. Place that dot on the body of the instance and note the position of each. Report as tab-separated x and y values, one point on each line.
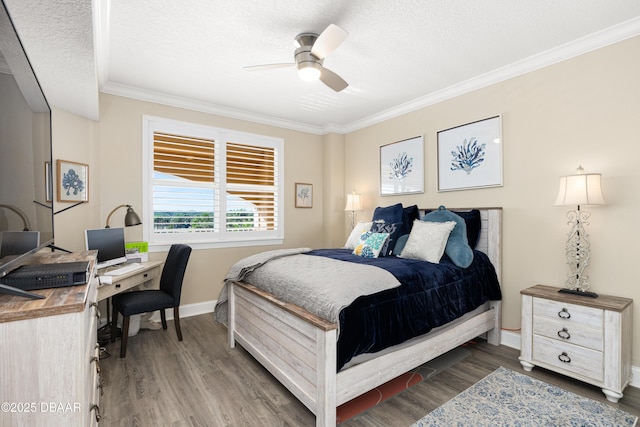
97	360
95	304
564	314
564	358
97	409
146	275
564	334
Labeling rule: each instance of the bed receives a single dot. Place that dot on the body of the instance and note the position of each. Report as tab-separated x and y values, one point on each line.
300	348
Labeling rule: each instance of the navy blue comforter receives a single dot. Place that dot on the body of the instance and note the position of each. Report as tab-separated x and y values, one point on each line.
430	295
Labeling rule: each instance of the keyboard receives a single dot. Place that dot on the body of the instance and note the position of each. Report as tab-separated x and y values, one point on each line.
127	268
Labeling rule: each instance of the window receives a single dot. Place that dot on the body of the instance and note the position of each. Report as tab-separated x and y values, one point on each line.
210	187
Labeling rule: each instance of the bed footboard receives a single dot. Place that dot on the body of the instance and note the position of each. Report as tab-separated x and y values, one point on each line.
295	346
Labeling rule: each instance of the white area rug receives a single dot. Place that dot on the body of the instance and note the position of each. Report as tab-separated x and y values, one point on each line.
508	398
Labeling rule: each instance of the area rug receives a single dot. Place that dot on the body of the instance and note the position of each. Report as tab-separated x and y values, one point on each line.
389	389
508	398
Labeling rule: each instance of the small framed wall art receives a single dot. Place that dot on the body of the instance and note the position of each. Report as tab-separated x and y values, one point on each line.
470	155
73	181
402	167
304	195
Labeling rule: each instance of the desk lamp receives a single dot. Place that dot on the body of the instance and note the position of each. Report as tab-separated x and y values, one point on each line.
23	217
576	190
131	217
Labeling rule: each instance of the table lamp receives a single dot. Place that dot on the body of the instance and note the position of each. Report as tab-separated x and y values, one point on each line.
579	190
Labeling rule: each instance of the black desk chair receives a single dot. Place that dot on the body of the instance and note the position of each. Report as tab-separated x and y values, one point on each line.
136	302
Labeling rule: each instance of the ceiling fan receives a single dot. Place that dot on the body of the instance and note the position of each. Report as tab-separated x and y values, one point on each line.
311	49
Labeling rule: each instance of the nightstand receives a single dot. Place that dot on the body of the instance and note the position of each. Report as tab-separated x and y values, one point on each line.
588	339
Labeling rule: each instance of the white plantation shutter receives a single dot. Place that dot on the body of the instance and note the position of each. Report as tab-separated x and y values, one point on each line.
184	199
211	185
251	176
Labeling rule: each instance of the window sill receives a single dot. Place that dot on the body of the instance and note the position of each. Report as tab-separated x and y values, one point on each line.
163	247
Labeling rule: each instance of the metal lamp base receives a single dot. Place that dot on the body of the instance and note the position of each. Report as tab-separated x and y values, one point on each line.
578	292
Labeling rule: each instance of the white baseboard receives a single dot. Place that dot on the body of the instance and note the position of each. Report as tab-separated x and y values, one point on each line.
512	339
509	338
188	310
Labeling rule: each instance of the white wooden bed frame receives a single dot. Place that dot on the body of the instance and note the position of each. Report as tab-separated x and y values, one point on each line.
300	349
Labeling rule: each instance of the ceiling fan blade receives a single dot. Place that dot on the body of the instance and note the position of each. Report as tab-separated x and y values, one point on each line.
332	80
328	41
268	66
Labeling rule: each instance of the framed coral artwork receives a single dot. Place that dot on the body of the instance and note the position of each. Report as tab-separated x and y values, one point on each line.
470	155
402	167
73	181
304	195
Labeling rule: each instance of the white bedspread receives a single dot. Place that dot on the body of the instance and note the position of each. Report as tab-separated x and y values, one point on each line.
320	285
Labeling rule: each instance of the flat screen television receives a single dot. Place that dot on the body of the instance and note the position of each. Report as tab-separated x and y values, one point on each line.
25	147
109	242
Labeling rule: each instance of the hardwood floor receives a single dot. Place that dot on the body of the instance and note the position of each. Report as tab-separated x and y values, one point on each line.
201	382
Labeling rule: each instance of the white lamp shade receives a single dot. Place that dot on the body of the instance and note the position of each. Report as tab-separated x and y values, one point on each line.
354	203
581	189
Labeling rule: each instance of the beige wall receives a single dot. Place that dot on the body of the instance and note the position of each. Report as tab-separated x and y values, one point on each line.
113	149
581	111
584	111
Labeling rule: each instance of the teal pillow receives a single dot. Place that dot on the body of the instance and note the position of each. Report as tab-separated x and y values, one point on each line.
457	249
402	240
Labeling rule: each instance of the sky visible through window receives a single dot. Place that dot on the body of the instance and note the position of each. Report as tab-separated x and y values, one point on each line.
190	199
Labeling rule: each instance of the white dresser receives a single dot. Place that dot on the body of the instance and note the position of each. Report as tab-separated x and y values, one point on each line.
588	339
49	354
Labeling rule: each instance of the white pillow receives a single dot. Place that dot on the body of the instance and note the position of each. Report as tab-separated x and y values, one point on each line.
427	240
354	237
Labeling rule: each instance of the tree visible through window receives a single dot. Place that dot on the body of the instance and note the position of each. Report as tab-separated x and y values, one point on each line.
211	185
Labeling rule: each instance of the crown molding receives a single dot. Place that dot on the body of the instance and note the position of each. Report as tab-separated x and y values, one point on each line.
204	107
569	50
561	53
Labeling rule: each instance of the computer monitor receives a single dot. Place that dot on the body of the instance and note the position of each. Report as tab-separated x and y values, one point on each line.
18	242
109	242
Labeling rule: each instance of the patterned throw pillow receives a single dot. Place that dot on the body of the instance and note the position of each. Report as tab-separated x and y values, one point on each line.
394	231
370	244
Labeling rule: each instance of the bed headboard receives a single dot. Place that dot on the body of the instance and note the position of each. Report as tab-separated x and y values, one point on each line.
490	241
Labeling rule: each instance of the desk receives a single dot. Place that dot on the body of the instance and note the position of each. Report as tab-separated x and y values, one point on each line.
148	276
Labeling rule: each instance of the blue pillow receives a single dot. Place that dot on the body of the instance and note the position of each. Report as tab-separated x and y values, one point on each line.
388	214
394	231
402	240
457	249
409	214
473	223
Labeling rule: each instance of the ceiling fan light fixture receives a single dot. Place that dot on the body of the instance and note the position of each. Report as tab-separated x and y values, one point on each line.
309	71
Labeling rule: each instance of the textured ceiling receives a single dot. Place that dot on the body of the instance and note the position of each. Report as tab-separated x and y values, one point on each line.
399	55
58	38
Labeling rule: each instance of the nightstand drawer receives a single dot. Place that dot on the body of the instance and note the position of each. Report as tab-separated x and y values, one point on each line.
569	332
581	315
568	357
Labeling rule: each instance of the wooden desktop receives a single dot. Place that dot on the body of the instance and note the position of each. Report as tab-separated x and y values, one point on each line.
147	276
